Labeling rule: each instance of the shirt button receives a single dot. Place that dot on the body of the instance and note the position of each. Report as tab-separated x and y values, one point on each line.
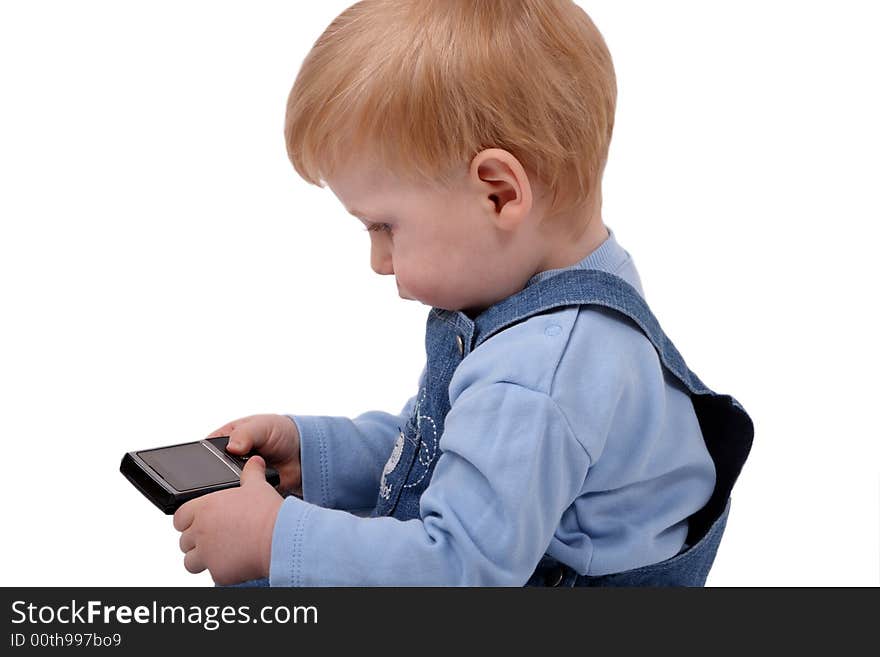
460	344
554	577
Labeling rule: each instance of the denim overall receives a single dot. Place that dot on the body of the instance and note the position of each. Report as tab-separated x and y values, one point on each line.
451	336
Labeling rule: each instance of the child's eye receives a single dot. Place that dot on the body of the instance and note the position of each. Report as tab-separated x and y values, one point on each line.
375	228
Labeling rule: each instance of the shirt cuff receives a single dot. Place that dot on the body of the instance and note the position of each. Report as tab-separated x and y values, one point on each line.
313	460
285	567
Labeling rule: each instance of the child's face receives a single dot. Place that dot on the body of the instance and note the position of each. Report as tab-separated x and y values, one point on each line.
452	249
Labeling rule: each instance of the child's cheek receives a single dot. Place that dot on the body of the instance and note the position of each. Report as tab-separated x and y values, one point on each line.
417	280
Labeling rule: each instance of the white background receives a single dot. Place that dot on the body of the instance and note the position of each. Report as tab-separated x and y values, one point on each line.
164	269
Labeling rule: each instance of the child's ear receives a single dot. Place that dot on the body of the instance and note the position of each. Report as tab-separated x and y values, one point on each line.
494	199
510	195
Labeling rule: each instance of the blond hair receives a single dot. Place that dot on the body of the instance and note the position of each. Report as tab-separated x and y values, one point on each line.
424	85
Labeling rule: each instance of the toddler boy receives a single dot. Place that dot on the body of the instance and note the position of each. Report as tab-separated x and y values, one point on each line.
556	436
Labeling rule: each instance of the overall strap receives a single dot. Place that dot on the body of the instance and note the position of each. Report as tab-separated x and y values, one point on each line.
727	428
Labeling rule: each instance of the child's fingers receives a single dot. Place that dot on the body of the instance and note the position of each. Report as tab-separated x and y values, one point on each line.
192	561
254	471
187	541
244	434
240	440
185	515
226	429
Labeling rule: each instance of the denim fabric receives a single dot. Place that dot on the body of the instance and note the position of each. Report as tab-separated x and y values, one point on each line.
262	581
726	427
689	567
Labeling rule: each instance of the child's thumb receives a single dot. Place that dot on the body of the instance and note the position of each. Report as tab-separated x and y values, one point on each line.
238	442
254	471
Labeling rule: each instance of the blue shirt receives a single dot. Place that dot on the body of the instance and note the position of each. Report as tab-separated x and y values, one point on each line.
591	424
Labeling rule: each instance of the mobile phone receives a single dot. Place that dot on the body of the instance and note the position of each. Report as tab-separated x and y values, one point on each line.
171	475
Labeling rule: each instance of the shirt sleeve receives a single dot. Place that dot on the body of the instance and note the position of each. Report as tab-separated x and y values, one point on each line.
342	458
509	466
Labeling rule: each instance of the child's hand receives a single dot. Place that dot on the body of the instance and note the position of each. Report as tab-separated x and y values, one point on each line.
230	532
275	437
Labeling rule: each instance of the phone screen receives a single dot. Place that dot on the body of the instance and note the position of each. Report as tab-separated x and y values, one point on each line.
188	466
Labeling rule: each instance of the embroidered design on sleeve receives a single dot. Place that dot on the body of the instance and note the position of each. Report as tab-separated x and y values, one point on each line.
427	449
385	489
427	452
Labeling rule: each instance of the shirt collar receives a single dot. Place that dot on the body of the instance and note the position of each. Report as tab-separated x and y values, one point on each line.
608	257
